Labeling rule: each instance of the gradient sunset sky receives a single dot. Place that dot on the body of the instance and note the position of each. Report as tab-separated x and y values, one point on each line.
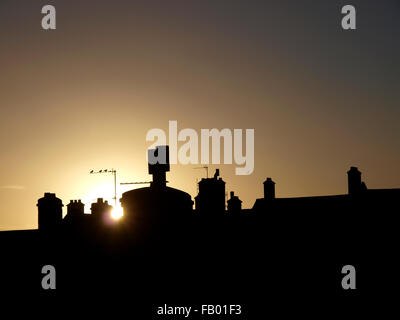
83	96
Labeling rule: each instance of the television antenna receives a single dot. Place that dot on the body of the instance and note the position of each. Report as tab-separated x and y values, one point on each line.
140	182
204	167
114	173
137	182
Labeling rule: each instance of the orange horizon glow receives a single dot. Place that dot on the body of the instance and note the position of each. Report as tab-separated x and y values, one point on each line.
320	100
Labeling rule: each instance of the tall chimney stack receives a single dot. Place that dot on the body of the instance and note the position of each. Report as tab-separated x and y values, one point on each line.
49	212
269	189
159	165
354	181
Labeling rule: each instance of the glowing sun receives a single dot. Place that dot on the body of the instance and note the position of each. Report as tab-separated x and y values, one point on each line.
117	213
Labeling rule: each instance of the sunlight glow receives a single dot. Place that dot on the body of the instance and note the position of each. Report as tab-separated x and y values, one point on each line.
117	213
106	192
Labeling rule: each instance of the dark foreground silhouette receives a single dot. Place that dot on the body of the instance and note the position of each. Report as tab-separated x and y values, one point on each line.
284	255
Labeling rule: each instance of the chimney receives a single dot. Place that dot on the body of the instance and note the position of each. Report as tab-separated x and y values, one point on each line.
211	196
354	181
234	204
158	159
269	189
49	211
100	207
75	208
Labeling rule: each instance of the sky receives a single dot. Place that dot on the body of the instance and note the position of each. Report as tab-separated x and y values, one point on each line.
83	96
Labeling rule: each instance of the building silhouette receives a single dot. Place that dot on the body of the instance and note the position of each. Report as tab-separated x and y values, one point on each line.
155	205
357	198
211	197
163	248
159	204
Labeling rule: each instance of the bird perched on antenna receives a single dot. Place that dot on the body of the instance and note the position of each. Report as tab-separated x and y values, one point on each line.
114	172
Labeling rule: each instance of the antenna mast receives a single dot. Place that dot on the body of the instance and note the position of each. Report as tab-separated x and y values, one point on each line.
205	167
114	172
